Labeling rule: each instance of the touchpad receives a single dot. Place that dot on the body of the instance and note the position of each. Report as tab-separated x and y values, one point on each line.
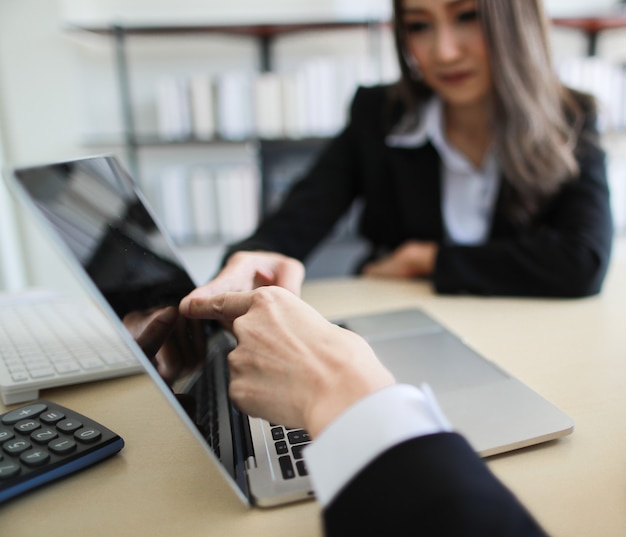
437	358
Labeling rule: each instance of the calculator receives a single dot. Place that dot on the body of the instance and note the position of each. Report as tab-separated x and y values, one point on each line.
43	441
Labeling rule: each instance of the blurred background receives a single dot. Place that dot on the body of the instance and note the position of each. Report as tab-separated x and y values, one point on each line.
227	102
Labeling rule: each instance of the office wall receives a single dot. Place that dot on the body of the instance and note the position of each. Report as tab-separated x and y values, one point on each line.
11	265
39	121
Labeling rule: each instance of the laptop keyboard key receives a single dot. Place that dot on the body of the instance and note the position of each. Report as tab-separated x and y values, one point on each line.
298	437
278	433
301	466
286	467
281	448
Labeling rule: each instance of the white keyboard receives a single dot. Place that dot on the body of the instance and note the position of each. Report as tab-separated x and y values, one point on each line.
47	340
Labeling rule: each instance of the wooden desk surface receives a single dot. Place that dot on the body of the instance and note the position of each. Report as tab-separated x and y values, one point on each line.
573	352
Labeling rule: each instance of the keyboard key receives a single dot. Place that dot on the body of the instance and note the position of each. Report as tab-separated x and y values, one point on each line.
296	451
301	466
278	433
298	437
286	467
281	448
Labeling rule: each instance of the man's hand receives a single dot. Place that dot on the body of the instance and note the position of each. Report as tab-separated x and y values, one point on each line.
291	366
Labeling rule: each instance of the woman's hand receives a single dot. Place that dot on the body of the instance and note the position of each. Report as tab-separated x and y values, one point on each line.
245	271
410	260
291	366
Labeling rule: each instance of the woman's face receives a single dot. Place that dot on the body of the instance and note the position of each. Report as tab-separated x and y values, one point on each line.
446	41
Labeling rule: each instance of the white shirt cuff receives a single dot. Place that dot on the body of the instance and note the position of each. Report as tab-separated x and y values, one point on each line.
367	429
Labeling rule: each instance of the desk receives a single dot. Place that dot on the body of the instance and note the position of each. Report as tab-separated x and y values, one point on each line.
572	352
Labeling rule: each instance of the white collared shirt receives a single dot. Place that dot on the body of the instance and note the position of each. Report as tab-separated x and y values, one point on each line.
366	430
468	193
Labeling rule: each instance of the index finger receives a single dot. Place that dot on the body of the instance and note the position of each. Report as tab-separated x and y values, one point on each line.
225	307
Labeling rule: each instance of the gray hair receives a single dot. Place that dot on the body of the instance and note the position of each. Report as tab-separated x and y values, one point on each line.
537	121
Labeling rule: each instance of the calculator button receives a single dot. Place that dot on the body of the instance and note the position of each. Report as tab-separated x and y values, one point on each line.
51	417
8	469
35	457
19	414
14	447
26	426
62	446
87	436
69	426
5	434
44	435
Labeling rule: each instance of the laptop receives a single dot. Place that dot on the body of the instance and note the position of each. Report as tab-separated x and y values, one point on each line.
109	235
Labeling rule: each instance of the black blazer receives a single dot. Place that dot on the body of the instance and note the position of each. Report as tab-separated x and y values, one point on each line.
430	486
566	255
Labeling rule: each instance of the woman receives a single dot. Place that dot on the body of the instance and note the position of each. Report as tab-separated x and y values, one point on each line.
478	169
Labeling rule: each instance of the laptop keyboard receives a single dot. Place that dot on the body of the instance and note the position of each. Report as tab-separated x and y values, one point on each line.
289	445
47	341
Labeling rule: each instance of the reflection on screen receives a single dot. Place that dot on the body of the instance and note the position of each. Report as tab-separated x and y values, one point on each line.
93	206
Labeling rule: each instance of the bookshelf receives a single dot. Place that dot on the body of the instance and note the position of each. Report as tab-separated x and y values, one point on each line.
278	157
593	26
264	34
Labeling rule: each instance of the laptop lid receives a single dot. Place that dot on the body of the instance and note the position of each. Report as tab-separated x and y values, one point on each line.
108	234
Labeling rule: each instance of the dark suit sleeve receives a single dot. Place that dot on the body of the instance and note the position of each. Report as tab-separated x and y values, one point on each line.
567	255
430	486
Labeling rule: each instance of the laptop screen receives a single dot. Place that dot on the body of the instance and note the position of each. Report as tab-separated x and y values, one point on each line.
96	211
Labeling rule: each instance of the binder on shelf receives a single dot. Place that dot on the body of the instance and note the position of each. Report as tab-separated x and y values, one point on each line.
203	196
175	204
235	115
268	108
202	99
238	201
173	108
294	105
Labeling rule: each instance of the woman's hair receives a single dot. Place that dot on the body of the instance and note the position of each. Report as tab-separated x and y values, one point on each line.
536	120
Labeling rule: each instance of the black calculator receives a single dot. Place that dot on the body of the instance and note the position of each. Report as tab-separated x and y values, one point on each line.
43	441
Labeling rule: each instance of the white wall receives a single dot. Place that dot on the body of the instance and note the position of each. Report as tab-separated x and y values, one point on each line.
39	116
185	11
11	266
94	11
